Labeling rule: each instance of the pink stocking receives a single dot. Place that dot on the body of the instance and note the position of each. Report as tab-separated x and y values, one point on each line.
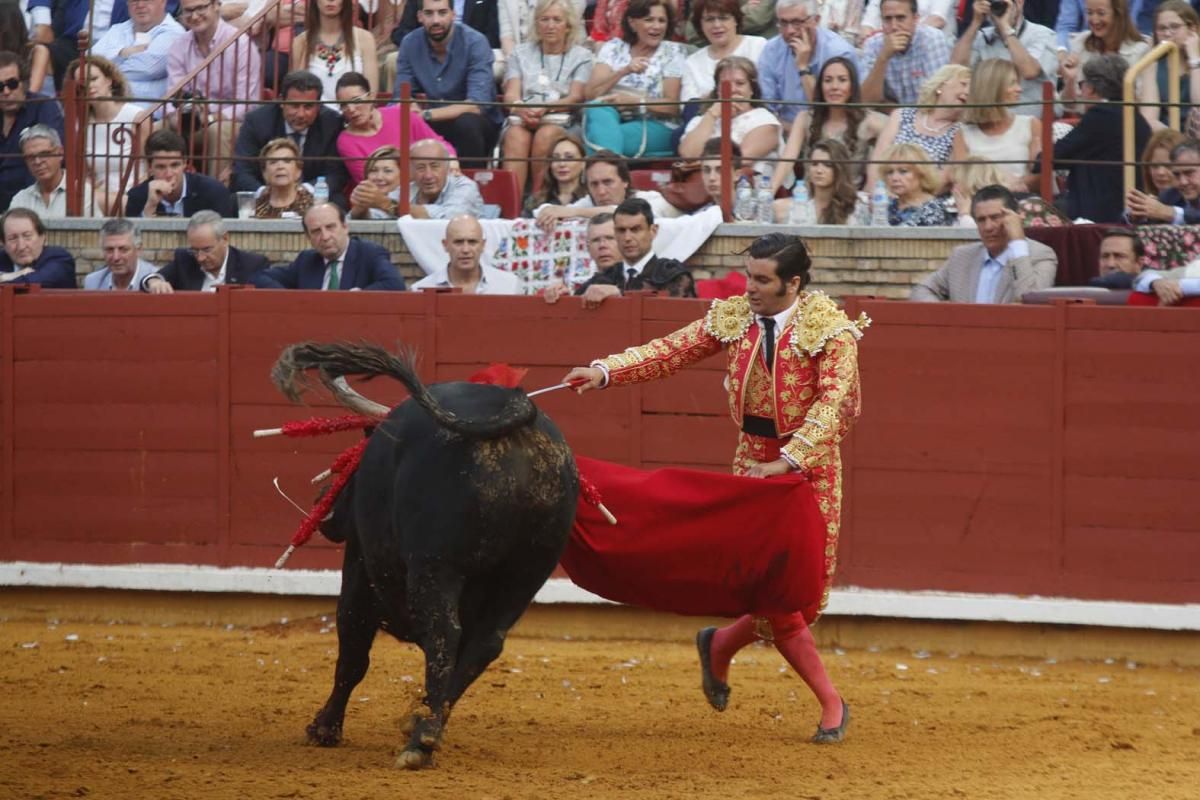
795	642
726	642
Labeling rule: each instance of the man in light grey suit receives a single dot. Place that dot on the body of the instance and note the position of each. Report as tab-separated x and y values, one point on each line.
999	269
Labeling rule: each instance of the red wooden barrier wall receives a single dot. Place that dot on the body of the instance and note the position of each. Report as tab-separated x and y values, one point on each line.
1047	450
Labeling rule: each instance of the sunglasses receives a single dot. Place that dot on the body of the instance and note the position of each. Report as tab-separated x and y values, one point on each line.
11	84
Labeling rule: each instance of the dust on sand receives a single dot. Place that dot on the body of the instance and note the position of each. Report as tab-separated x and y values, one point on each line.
189	710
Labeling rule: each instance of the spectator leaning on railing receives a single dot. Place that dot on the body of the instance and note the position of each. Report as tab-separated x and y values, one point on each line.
1010	36
207	262
19	110
139	47
1121	253
464	246
1156	161
124	268
602	249
27	258
42	150
1177	206
1171	286
633	222
172	192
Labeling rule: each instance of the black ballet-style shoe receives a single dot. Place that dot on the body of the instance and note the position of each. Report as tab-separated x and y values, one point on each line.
715	691
833	735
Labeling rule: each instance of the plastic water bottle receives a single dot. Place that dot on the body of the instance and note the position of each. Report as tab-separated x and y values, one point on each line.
801	212
765	200
744	207
879	205
320	191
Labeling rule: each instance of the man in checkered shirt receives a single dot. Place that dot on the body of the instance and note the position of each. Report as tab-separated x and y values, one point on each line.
898	59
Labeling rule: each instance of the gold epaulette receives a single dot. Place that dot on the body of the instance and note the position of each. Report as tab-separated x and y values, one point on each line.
728	320
820	321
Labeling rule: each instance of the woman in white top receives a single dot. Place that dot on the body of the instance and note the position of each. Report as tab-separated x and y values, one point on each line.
111	132
754	129
517	19
992	131
719	23
1110	30
331	46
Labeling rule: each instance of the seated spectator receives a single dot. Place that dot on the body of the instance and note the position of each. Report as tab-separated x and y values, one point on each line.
19	110
829	178
968	177
931	129
719	24
1156	160
207	262
1121	253
1109	30
562	182
284	196
1011	140
1175	21
1094	188
111	133
608	182
305	121
378	196
1177	206
633	223
451	65
15	38
235	75
710	168
608	15
753	128
518	24
332	46
369	127
124	268
169	191
1170	286
934	13
26	257
635	85
139	47
843	119
549	67
337	260
42	150
435	193
913	184
464	245
1002	267
602	249
897	61
1009	36
482	17
801	41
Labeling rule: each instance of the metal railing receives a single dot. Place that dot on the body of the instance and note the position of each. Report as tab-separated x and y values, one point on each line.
1170	51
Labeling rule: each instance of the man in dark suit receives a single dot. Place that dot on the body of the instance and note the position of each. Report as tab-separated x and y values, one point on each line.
482	15
639	269
170	192
310	124
27	259
207	262
1177	206
336	261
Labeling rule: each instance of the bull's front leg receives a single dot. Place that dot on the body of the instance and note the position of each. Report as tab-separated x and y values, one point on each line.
436	593
357	622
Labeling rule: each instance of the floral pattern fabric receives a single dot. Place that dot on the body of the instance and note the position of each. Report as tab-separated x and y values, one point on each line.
539	259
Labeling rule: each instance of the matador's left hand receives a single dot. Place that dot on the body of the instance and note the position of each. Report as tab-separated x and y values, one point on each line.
769	469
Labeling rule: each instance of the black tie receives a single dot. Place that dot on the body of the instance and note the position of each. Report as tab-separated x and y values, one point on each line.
769	341
298	138
630	275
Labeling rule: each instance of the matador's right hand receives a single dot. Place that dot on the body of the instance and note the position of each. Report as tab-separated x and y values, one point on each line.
590	377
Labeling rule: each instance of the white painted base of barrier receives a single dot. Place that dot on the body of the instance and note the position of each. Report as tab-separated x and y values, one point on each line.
846	601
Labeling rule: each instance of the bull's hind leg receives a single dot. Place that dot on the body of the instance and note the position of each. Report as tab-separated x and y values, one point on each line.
357	621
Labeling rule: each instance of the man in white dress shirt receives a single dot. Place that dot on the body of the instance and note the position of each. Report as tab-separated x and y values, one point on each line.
464	244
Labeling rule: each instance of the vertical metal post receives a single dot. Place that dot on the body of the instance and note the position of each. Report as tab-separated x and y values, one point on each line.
726	93
1046	186
405	138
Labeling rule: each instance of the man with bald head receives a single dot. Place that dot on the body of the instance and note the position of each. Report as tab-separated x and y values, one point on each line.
464	244
435	193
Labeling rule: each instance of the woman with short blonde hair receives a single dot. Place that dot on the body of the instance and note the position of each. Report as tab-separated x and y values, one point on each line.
913	183
990	129
931	129
377	196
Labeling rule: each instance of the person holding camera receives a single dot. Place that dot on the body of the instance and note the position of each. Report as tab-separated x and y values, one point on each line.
998	29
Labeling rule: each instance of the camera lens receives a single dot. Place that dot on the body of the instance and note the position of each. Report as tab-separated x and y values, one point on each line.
999	7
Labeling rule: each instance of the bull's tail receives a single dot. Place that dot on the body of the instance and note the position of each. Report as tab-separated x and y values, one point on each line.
335	361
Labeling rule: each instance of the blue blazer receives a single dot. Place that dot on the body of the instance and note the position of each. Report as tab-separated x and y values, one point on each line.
203	194
368	266
54	269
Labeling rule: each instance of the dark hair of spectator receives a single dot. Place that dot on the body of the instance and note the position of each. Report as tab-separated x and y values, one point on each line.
746	66
300	80
341	212
820	112
911	4
1164	139
712	149
10	59
635	206
353	80
1106	75
1120	30
640	9
1186	146
994	192
14	35
23	213
550	188
312	24
701	7
845	197
599	219
789	253
1139	249
120	86
165	141
618	161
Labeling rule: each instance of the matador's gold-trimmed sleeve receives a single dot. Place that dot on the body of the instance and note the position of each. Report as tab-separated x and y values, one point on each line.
659	358
835	407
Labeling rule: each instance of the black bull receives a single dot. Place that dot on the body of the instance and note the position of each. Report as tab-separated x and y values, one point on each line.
458	513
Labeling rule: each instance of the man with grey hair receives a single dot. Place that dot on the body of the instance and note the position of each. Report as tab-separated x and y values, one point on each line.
124	268
434	192
207	262
42	150
789	63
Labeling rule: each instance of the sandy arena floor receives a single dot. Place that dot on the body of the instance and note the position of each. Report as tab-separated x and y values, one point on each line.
189	709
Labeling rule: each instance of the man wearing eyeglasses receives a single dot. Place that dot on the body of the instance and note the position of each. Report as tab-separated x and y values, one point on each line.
207	262
139	47
788	66
42	150
19	111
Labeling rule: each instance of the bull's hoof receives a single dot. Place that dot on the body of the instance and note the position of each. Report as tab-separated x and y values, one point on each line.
415	758
324	735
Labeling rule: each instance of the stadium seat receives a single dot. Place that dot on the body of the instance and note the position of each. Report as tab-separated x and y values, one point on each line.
498	187
649	180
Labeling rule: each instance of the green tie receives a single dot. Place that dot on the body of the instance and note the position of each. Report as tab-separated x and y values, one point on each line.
334	279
